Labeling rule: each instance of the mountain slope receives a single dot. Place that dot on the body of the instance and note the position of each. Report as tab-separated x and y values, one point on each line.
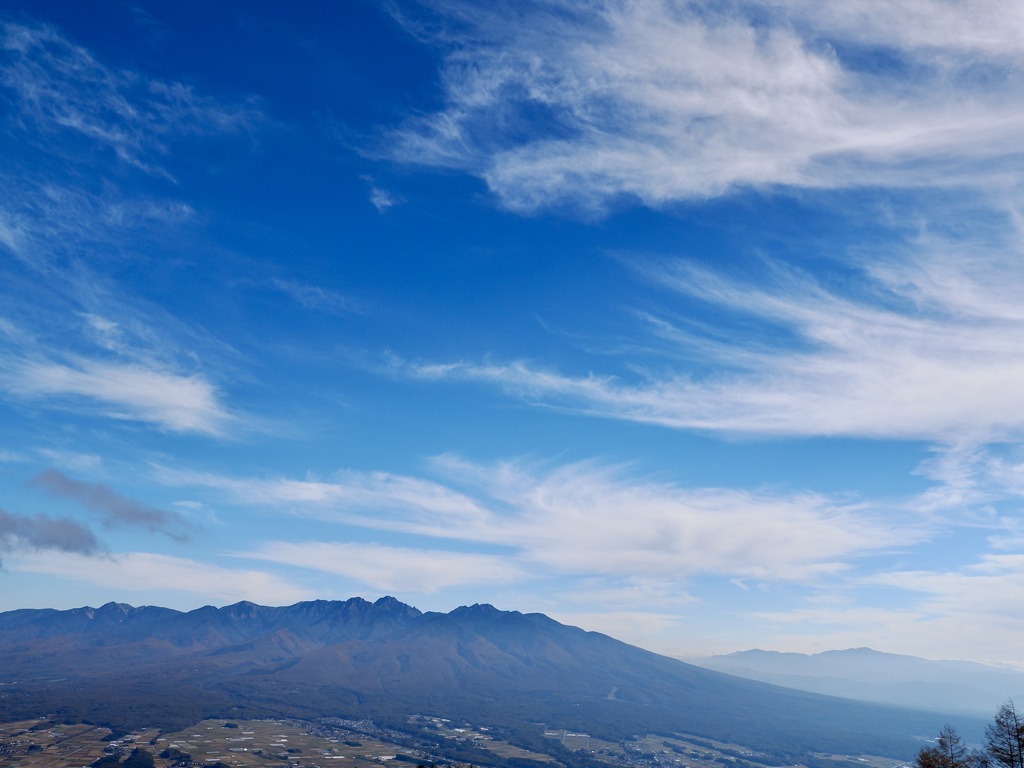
386	661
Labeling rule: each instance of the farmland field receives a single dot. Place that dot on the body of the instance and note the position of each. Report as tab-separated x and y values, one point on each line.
245	744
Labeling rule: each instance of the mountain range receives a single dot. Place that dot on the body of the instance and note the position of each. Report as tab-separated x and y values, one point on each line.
868	675
385	661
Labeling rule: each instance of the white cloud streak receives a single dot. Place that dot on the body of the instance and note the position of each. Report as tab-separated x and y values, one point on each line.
588	520
58	85
662	100
406	497
146	572
316	297
168	400
399	569
929	349
963	612
985	588
991	29
382	199
583	518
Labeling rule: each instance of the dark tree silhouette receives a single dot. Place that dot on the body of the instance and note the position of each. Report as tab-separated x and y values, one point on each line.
1004	738
949	752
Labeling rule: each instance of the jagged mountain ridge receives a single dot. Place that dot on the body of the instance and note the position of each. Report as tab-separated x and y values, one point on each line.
323	620
387	660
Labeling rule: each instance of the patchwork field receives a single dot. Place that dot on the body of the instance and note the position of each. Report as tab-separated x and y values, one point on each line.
40	744
249	744
352	744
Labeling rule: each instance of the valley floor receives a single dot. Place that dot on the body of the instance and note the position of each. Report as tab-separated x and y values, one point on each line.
338	743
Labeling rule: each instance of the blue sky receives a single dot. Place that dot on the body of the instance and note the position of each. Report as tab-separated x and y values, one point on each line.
695	323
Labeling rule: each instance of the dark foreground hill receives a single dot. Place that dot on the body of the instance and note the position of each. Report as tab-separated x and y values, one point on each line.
386	661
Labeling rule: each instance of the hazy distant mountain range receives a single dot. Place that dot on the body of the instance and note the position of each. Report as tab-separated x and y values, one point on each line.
385	661
867	675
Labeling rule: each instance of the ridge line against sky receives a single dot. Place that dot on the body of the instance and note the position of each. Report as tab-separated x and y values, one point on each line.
694	323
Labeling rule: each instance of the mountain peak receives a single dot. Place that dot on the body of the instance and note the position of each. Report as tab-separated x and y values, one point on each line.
112	607
108	612
389	606
477	609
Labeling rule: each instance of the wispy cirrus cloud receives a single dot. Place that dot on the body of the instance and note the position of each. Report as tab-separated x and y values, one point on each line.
926	347
390	568
73	337
116	510
381	198
342	494
50	222
317	297
146	572
989	28
168	400
556	104
58	85
929	619
71	460
984	587
570	520
131	363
